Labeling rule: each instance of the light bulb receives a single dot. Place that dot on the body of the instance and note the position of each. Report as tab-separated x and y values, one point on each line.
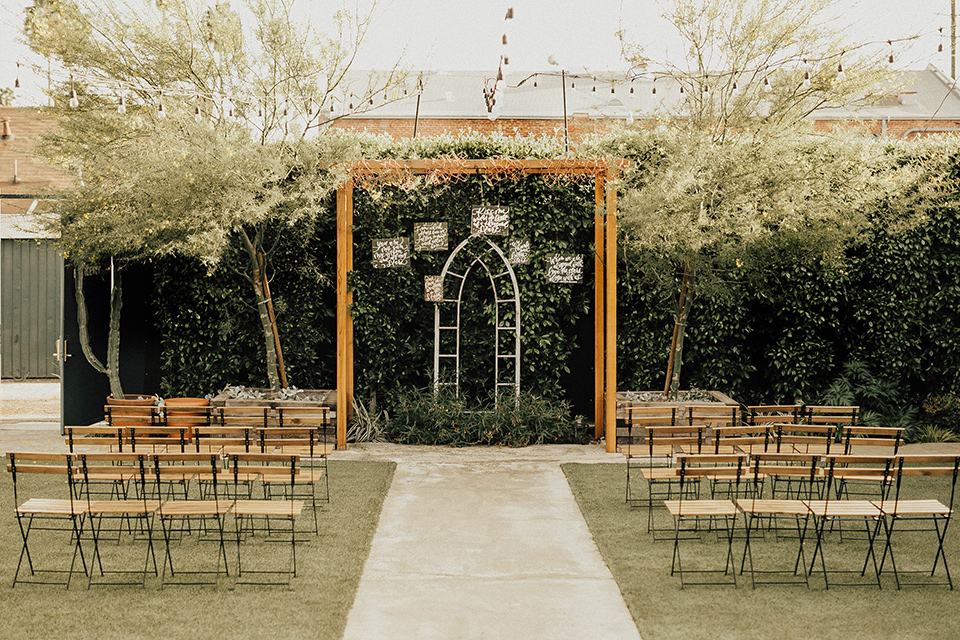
806	80
766	85
841	76
74	103
197	114
122	105
161	112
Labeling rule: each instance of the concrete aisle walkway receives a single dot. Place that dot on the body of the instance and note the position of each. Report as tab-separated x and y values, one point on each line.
485	543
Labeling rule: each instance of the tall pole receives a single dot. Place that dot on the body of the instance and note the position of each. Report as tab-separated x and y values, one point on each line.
563	82
953	39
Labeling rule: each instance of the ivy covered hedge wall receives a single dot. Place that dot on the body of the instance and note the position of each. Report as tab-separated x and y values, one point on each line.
893	306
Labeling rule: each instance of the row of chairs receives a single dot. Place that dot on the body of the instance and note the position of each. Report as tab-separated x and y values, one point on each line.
651	436
160	494
820	502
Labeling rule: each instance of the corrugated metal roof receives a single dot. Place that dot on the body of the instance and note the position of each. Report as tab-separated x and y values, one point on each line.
911	95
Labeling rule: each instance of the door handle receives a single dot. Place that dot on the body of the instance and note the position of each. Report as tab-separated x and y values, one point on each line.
61	355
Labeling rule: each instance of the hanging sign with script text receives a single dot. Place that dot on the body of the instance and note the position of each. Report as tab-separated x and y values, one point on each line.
490	221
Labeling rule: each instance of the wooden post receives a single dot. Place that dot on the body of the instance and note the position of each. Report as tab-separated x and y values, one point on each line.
599	323
611	314
344	322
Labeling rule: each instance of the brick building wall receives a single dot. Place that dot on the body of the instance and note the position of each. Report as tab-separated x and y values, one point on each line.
909	129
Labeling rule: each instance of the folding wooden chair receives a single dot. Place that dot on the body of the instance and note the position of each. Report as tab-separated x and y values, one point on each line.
800	438
721	514
271	510
180	465
639	450
756	509
863	440
913	512
140	509
829	510
60	515
663	482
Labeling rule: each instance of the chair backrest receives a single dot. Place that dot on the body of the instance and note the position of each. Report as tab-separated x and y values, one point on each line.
800	466
747	439
95	463
759	414
923	464
873	467
132	416
805	438
858	436
20	463
715	415
105	435
730	467
675	438
320	420
253	417
838	415
639	417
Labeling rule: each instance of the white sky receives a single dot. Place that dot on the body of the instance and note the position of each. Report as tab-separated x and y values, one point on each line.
465	34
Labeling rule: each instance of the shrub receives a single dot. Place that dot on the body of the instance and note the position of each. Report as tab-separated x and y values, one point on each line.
419	417
943	411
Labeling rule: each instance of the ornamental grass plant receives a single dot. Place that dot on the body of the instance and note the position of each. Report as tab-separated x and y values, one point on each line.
420	417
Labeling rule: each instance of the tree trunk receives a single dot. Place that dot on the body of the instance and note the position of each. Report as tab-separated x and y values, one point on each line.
675	362
269	339
113	337
112	369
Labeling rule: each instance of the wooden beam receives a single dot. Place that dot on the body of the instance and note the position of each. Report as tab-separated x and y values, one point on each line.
344	322
611	315
495	165
599	324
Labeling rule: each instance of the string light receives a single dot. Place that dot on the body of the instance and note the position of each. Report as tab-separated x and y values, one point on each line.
161	112
16	82
806	79
890	59
767	88
74	102
940	48
197	114
122	103
841	76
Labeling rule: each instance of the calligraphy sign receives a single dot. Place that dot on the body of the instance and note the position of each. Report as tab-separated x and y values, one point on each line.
391	252
519	252
564	267
433	288
430	236
490	221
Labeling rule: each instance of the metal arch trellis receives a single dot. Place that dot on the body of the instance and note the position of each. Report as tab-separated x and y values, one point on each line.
499	301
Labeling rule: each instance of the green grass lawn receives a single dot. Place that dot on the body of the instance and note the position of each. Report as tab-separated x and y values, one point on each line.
661	610
315	606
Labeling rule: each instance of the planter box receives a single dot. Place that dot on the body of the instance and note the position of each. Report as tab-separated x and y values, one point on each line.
719	398
327	398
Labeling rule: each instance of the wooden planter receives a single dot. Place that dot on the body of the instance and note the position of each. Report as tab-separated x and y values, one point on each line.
187	413
131	410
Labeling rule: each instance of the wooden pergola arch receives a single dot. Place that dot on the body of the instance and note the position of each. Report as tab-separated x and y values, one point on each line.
605	284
